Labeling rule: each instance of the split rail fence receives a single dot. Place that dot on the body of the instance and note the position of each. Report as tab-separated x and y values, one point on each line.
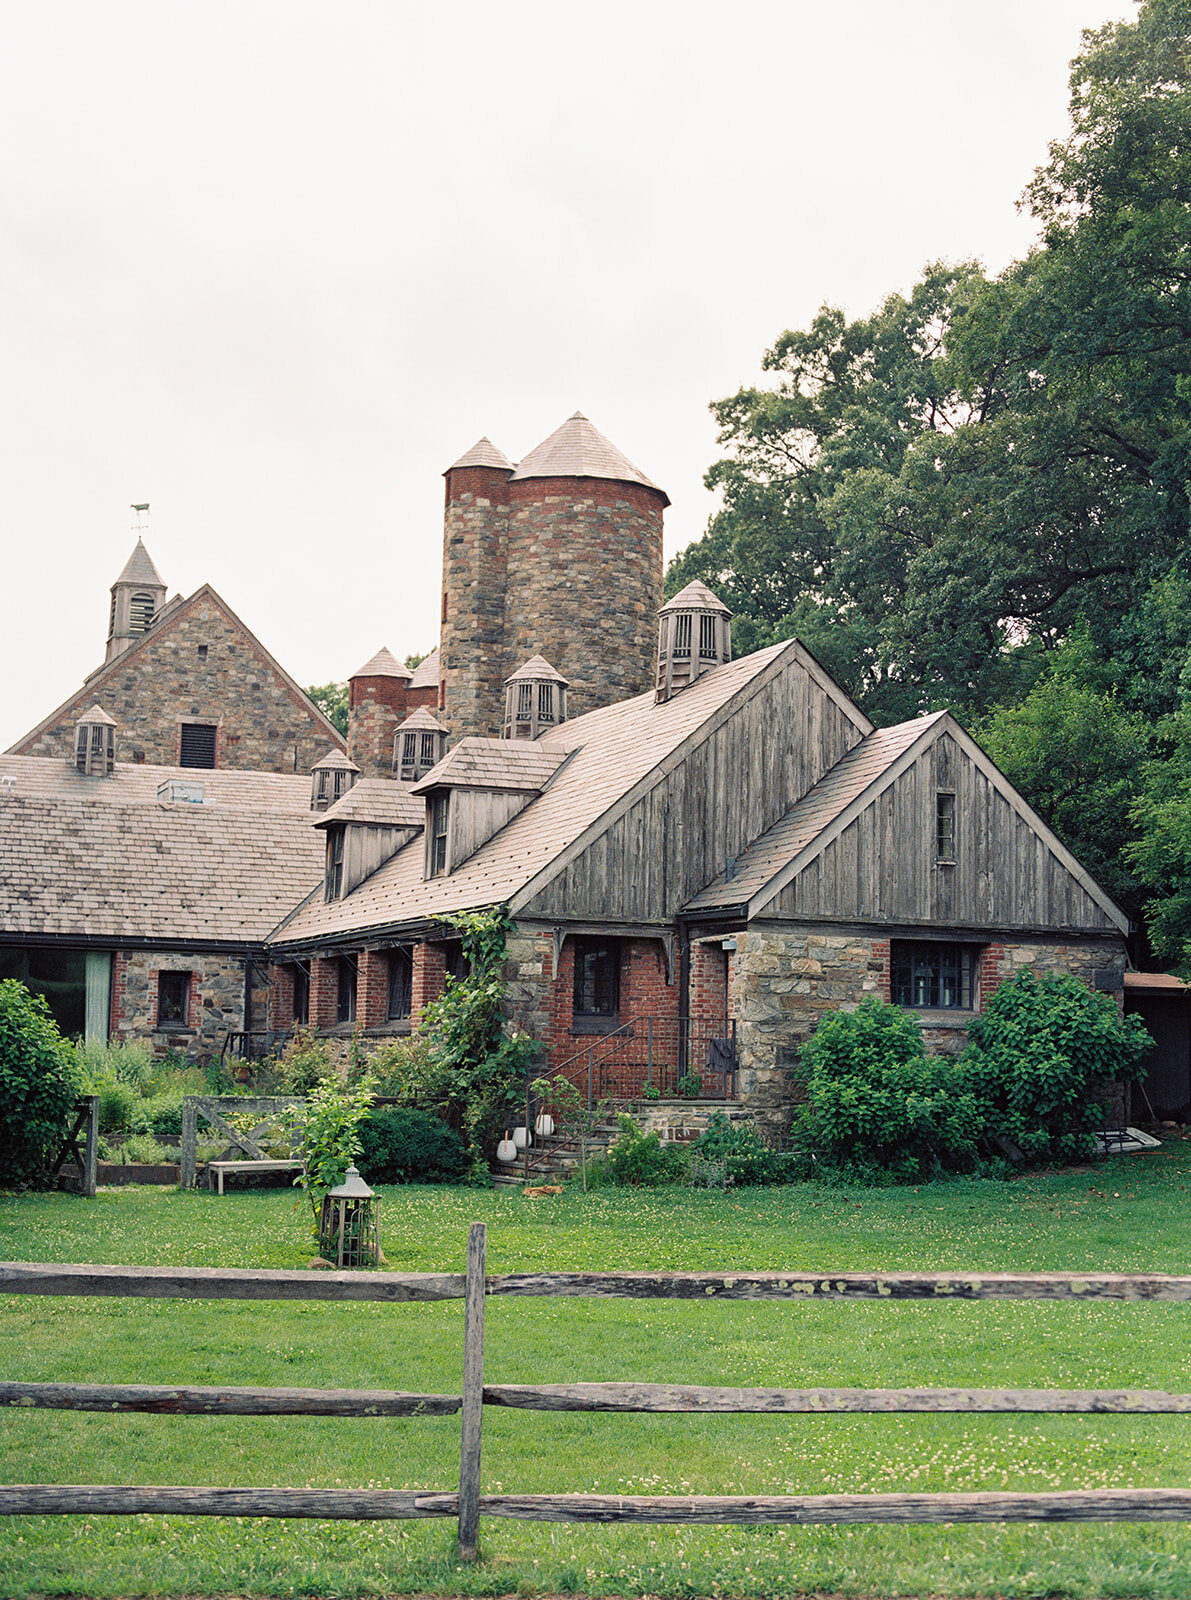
467	1504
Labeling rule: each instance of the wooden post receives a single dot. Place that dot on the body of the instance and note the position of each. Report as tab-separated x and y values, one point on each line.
189	1142
91	1147
473	1395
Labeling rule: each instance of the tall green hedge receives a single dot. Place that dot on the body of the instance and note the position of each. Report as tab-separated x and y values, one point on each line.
40	1080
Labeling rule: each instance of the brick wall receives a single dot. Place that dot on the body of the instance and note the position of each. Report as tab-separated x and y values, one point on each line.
215	1002
166	680
429	977
709	986
375	707
281	996
324	992
372	989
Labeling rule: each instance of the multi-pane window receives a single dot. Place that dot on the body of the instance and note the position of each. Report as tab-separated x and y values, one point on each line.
525	702
708	650
345	1007
945	826
545	702
401	985
173	999
197	744
429	756
334	886
682	634
440	808
597	979
932	976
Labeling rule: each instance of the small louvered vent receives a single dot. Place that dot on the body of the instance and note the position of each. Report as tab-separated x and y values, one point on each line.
198	745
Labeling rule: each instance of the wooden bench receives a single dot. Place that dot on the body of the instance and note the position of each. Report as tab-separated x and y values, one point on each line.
219	1169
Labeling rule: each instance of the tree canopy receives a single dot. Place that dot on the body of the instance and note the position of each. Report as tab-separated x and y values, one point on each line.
978	495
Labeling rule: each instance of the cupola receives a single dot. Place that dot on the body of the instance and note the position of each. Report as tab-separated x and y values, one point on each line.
419	744
138	594
95	744
330	779
535	700
694	635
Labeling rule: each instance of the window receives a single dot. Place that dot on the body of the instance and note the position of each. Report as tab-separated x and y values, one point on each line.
197	746
173	999
59	975
345	1007
597	982
682	634
945	826
334	885
140	612
439	819
301	995
401	985
202	652
932	976
456	963
545	702
429	757
525	702
94	749
708	650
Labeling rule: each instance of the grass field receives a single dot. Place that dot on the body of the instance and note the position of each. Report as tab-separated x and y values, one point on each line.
1131	1214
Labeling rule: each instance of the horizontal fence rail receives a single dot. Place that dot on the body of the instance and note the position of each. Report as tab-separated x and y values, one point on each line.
474	1287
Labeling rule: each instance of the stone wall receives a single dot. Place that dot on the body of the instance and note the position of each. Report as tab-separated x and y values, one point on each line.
198	666
216	1000
785	982
568	568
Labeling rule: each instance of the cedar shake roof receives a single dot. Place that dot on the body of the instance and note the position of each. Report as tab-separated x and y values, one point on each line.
426	672
493	764
382	665
482	454
695	597
577	450
139	568
819	807
420	718
106	861
537	668
381	801
613	750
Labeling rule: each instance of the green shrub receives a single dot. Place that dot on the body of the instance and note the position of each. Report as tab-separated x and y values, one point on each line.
40	1080
1038	1055
744	1157
120	1106
297	1069
878	1107
640	1160
129	1064
141	1150
402	1145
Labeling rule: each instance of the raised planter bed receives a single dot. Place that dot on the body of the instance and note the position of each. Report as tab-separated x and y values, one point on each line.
109	1173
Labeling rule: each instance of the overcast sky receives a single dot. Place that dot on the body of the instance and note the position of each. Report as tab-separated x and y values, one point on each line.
272	267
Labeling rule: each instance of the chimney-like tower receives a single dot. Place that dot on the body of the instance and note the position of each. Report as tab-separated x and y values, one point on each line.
694	635
377	702
561	555
138	594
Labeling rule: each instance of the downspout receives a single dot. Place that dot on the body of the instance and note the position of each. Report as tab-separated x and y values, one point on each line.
684	994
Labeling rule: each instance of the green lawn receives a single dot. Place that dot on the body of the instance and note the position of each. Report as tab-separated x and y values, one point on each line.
1131	1214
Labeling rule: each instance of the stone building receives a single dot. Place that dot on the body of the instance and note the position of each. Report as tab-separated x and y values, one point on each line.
189	685
560	555
702	856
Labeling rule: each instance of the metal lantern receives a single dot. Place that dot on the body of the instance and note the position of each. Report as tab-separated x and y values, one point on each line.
349	1232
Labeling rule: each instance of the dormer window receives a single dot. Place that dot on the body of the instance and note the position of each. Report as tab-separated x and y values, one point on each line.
95	744
694	635
419	744
334	880
535	699
440	817
331	779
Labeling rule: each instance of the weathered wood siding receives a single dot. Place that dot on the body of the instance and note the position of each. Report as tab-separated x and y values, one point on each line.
882	868
728	790
476	814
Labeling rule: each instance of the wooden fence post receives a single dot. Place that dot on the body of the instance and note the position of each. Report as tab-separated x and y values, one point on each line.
470	1433
189	1143
91	1147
